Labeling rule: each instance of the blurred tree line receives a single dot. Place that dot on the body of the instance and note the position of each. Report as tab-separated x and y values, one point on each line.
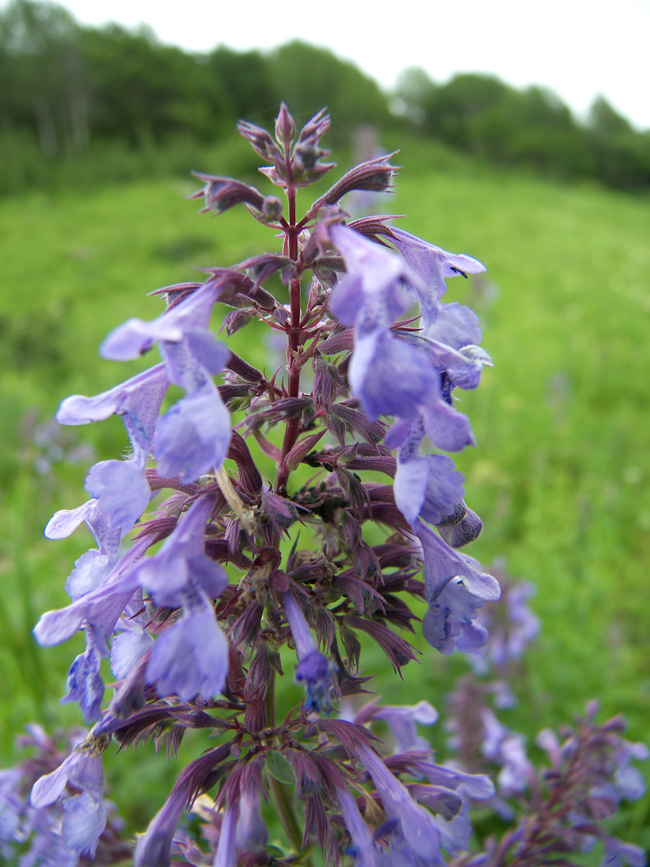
102	97
482	115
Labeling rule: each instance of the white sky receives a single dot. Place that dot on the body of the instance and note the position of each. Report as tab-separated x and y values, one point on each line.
578	48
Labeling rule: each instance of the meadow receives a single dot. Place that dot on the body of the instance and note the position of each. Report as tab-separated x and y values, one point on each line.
560	475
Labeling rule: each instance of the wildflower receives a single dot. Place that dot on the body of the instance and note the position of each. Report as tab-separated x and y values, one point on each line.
252	833
95	565
455	589
227	849
313	669
414	828
427	487
401	720
190	657
137	400
364	849
193	436
120	490
432	266
512	625
506	749
84	813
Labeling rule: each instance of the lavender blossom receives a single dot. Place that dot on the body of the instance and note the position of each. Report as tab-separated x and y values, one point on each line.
401	720
364	849
314	669
455	592
191	657
84	814
415	832
193	436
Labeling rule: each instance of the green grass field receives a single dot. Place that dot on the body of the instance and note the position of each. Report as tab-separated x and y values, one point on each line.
560	475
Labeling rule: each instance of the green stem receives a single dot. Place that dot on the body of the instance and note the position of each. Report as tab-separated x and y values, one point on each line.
282	797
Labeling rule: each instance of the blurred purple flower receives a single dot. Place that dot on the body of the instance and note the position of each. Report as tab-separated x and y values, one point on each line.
365	851
414	828
84	813
511	624
252	833
314	670
401	720
506	749
227	849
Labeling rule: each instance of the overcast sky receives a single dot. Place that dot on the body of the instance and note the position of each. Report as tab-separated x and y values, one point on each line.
578	48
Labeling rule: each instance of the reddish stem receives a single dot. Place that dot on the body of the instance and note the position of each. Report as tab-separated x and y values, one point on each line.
293	424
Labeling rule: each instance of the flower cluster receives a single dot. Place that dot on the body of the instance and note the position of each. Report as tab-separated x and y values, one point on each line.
559	807
194	596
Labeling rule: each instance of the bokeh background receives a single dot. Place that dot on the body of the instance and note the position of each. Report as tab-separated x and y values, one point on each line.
523	137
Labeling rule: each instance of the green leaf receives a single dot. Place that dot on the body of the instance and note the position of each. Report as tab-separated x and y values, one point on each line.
279	768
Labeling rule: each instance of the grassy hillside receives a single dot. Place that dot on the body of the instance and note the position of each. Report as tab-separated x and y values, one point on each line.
561	472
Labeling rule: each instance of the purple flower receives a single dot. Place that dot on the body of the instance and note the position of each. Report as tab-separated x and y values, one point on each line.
181	565
314	670
121	491
227	849
401	720
193	436
476	786
252	833
128	648
458	533
629	781
119	488
47	846
427	487
390	376
618	853
135	337
511	624
97	611
415	830
506	749
85	813
137	400
84	682
372	292
95	565
190	657
432	265
10	807
364	849
455	589
152	847
405	376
